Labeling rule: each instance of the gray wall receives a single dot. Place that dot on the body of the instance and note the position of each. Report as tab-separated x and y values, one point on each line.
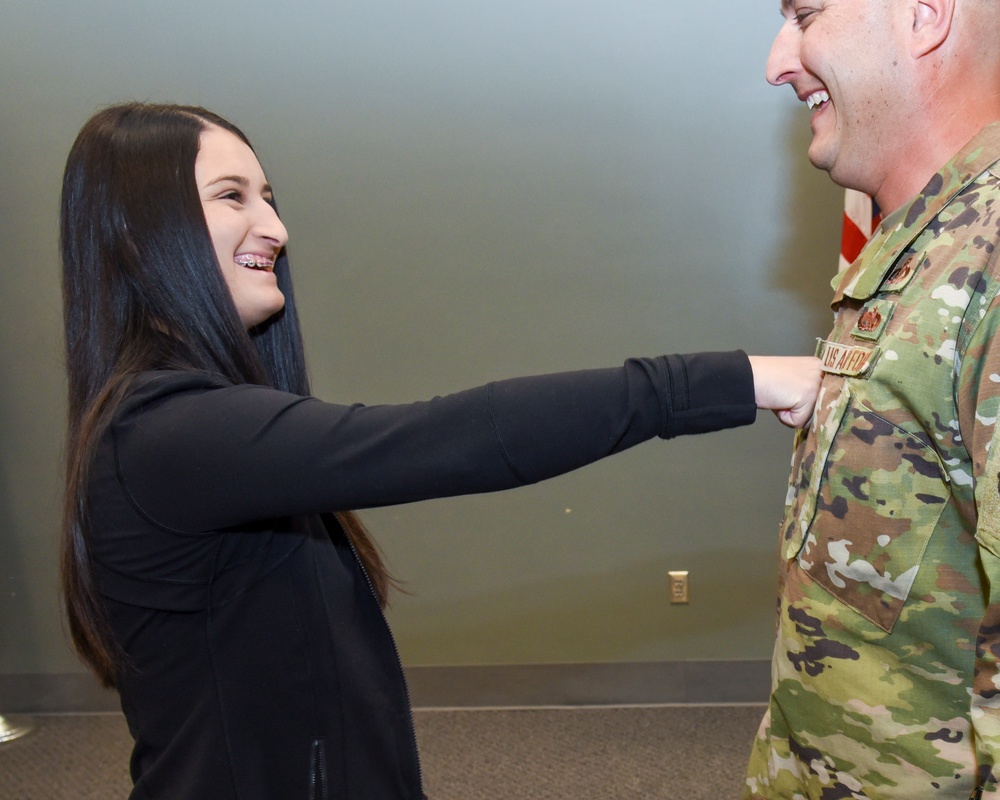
473	190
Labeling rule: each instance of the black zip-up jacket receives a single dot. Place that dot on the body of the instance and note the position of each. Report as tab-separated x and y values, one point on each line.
261	665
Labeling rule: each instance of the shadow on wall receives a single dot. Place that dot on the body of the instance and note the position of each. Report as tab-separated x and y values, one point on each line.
812	226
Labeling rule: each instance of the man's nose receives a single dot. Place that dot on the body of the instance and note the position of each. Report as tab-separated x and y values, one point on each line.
783	61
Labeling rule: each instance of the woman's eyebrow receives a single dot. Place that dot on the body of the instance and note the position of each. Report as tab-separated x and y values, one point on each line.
238	179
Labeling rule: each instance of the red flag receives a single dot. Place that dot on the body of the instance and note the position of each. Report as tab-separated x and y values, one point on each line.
861	217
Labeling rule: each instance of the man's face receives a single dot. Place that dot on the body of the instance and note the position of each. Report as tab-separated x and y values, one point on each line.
841	57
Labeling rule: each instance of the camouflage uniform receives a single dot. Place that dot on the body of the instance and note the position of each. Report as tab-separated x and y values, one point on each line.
891	535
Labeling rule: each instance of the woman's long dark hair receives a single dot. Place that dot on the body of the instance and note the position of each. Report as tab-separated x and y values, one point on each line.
138	264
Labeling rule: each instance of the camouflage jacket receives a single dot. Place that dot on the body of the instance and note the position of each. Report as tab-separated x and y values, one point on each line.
891	535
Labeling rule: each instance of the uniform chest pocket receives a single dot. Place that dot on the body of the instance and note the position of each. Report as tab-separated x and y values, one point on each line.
870	497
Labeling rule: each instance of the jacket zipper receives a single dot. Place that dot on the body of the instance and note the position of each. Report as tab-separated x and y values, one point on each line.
317	780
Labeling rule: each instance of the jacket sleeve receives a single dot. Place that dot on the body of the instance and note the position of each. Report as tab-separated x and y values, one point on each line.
197	454
979	389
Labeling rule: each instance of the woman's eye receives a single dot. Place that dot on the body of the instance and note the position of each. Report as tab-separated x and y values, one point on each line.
234	195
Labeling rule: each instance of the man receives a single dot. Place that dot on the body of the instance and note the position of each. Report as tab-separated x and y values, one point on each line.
885	669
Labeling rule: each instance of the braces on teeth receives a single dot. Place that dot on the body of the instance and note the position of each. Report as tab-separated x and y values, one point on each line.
250	261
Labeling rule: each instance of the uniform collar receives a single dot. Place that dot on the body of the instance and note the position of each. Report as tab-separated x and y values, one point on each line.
862	279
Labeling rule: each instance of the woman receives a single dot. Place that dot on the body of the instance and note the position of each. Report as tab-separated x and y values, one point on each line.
212	570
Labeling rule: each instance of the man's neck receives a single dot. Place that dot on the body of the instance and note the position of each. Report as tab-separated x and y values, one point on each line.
918	166
946	121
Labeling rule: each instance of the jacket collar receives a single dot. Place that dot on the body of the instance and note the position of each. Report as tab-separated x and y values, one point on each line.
897	232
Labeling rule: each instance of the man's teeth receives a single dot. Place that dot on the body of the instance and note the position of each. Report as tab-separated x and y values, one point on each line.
816	99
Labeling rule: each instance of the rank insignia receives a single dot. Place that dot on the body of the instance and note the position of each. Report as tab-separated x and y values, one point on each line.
902	274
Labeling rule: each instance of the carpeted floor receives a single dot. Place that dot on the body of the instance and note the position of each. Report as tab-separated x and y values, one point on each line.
690	752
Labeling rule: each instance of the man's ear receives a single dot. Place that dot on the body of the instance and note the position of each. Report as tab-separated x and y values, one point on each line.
931	25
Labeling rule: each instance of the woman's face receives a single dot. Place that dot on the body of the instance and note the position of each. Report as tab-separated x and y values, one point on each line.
244	226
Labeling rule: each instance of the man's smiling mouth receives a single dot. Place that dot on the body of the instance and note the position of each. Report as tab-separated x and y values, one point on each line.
816	99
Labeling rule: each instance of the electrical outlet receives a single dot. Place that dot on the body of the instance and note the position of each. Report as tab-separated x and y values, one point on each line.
679	587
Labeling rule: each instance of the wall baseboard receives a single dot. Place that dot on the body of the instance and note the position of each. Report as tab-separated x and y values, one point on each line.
500	686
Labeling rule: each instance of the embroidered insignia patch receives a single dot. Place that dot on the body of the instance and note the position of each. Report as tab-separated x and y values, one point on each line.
873	320
843	359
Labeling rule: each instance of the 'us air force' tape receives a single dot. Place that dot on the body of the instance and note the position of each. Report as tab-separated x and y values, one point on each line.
845	359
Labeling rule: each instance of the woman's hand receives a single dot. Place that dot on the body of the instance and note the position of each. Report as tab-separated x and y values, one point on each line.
787	386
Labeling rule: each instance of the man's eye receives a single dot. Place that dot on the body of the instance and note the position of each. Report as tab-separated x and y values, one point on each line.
802	16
